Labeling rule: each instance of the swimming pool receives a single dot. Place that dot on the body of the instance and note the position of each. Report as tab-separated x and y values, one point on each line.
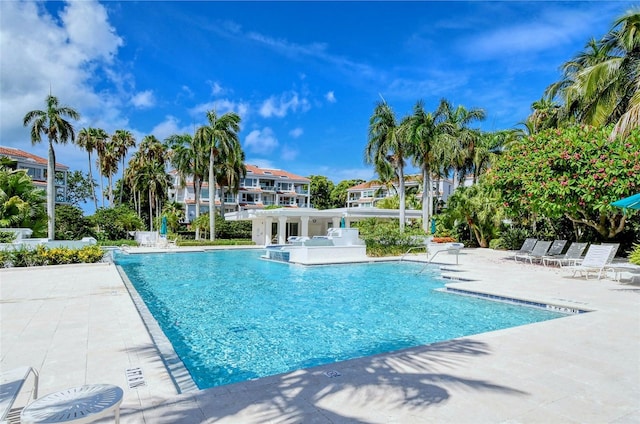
232	317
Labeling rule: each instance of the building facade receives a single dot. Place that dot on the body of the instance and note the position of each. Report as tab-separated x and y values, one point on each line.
260	188
36	168
368	194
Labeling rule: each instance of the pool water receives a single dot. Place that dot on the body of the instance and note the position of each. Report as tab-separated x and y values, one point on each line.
233	317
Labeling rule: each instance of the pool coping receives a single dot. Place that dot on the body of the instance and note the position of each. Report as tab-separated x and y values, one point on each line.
180	375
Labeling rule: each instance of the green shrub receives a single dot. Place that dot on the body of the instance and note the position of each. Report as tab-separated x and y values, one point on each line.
383	237
634	256
497	244
217	242
513	237
7	236
42	255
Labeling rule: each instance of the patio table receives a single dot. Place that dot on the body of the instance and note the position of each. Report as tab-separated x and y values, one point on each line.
77	405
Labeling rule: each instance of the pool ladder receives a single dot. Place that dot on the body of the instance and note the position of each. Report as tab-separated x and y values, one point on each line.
453	249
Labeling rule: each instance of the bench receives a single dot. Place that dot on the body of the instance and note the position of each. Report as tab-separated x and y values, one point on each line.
11	383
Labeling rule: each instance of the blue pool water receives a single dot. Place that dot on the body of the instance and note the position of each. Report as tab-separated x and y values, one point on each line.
232	317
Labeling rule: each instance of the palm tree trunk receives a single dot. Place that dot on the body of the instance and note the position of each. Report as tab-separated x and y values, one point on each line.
150	211
212	197
196	195
402	197
122	185
425	199
51	192
93	188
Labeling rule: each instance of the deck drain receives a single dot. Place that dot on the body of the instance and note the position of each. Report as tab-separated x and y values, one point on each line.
135	378
332	374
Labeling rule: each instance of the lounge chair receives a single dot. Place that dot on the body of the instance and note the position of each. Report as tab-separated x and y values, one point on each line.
526	247
539	250
594	261
572	256
554	251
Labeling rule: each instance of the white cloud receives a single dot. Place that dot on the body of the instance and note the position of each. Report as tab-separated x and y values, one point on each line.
216	88
221	107
62	54
296	132
331	97
170	126
280	106
261	141
143	99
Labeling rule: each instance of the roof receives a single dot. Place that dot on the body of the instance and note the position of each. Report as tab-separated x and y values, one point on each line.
255	170
27	157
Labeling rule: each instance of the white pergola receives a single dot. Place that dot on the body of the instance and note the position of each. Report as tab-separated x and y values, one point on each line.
306	222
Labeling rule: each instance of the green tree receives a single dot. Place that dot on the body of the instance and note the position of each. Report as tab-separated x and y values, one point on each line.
88	141
601	85
427	133
339	193
387	147
51	123
71	224
21	203
479	206
189	156
573	172
115	223
122	141
79	187
321	188
174	212
221	138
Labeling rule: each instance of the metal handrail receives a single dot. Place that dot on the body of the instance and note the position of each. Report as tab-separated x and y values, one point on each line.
411	248
454	249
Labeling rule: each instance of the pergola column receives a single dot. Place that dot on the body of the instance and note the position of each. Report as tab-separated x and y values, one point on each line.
267	231
305	226
282	230
335	221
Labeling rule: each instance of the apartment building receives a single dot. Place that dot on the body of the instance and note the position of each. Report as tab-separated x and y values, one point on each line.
368	194
260	188
36	167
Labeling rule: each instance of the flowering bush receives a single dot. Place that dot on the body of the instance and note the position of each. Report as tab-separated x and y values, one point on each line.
573	172
443	240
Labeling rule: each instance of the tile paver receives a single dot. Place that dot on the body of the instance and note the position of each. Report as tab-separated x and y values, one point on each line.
78	325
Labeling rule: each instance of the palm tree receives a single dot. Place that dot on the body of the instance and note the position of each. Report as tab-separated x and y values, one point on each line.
51	122
464	138
386	144
189	156
221	137
109	166
87	141
122	140
231	171
426	132
101	139
601	85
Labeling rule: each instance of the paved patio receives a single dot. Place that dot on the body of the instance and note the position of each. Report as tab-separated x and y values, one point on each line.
78	325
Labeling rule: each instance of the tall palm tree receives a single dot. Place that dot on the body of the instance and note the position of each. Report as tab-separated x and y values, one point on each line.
123	140
51	122
426	132
221	136
109	166
101	139
189	156
87	141
386	144
231	171
601	85
464	138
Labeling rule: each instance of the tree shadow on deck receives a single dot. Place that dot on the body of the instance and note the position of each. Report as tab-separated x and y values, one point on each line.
363	390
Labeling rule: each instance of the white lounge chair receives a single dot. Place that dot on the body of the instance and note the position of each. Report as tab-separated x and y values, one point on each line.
594	261
539	250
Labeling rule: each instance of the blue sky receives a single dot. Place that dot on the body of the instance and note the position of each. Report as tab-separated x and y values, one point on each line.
304	76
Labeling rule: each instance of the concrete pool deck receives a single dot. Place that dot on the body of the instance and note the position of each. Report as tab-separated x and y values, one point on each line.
78	325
